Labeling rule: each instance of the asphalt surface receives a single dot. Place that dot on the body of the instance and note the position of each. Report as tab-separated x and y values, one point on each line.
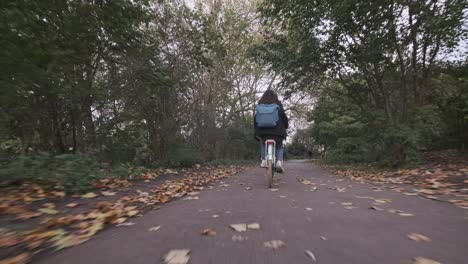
301	217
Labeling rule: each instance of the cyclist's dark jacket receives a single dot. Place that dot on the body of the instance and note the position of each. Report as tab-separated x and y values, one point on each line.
277	133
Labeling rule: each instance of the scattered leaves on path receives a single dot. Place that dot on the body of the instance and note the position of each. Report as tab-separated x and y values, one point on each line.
62	231
191	198
418	237
311	255
177	256
274	244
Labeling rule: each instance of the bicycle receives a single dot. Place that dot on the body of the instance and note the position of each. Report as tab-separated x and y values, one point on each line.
270	154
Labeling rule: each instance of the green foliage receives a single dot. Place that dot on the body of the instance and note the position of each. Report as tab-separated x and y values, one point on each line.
383	93
73	172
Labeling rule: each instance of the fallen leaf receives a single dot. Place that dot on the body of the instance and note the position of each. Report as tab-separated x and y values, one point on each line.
253	226
126	224
208	232
49	205
20	259
89	195
177	256
82	225
72	205
169	171
282	196
119	220
9	240
418	237
406	214
28	215
347	203
323	238
132	213
238	238
48	211
108	193
154	228
58	194
248	188
274	190
35	244
421	260
274	244
191	198
239	227
215	216
306	182
375	208
310	255
308	209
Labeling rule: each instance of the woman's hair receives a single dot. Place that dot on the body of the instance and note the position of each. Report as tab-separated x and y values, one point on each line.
269	97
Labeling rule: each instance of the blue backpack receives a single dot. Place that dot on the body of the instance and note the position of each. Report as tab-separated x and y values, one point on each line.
267	115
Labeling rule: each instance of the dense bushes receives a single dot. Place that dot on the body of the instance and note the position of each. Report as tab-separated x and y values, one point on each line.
72	172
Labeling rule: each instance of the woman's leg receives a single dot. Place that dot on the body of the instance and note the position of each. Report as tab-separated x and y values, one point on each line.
262	150
279	150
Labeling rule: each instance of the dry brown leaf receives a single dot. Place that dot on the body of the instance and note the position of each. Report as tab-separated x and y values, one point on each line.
58	194
177	256
82	225
274	244
89	195
108	193
132	213
28	215
253	226
208	232
48	211
9	240
239	227
418	237
20	259
421	260
49	205
311	255
72	205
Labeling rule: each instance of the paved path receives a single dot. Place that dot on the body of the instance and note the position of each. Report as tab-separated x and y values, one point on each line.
334	234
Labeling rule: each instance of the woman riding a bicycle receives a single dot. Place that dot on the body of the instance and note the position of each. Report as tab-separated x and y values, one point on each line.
275	131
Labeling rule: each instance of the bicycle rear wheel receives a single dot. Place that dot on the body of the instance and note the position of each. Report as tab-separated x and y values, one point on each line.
270	173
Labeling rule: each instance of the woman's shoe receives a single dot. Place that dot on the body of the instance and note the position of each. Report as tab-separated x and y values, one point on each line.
279	166
263	164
